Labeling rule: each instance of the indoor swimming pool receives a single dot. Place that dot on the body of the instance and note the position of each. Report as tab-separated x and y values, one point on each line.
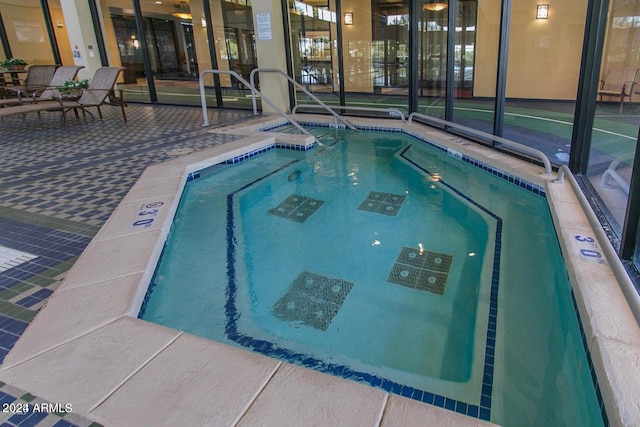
379	258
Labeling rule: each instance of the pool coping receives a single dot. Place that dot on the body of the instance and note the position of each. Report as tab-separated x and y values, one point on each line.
117	369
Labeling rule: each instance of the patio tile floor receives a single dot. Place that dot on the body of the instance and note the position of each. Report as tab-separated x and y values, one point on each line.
57	188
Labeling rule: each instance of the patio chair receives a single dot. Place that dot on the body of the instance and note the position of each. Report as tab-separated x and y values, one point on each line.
62	74
37	79
619	83
101	91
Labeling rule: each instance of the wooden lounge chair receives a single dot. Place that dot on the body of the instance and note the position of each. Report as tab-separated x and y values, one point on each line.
619	83
37	79
62	74
101	91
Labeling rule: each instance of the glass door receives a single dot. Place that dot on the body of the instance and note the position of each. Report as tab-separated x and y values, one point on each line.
313	37
432	57
172	37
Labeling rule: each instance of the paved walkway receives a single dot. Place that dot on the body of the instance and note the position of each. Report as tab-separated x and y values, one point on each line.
57	188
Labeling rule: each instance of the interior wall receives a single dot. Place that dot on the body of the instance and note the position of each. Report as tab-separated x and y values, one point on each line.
486	48
26	31
271	53
60	30
544	54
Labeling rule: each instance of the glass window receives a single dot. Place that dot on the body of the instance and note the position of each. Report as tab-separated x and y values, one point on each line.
27	33
432	57
615	127
542	76
238	52
476	63
313	32
387	74
175	35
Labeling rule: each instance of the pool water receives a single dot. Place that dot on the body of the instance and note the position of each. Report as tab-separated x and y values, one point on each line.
380	259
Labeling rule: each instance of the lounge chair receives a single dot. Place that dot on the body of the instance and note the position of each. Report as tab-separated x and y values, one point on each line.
62	74
37	79
101	91
619	83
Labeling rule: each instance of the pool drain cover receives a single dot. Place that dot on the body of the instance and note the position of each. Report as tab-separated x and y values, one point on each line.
420	269
313	300
297	208
382	203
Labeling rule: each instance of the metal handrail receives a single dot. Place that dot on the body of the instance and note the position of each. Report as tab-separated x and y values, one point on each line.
392	111
299	86
512	144
626	285
254	92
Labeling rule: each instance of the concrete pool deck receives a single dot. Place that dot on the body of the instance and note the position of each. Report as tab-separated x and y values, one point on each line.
119	370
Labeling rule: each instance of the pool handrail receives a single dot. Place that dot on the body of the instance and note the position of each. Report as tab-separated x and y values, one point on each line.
626	285
299	86
511	144
254	92
393	112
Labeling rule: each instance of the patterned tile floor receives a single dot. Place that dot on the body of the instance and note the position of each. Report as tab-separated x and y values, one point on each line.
57	188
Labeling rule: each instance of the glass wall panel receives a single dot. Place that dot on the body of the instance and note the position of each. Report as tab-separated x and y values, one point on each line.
476	63
432	57
26	31
313	37
239	51
174	34
28	38
542	75
615	128
387	74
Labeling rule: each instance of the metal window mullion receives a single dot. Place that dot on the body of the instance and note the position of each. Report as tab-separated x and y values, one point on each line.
501	78
4	39
288	50
137	13
341	74
102	48
451	59
46	13
213	55
588	84
414	53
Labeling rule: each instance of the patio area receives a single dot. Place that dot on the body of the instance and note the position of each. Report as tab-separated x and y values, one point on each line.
57	188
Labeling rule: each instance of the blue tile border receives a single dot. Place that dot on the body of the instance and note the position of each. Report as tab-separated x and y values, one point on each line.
499	173
592	371
481	409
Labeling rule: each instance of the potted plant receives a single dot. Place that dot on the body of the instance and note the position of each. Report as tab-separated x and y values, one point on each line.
73	87
13	64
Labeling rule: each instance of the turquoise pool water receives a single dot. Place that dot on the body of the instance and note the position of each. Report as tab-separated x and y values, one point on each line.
388	262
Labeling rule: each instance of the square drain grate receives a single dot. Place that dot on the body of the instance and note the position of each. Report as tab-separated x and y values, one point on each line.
297	208
382	203
420	269
313	300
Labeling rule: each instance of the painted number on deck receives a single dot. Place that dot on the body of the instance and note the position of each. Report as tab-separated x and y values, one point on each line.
588	249
147	214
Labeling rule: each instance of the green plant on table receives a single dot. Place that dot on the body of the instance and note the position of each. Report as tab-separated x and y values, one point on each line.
13	63
73	86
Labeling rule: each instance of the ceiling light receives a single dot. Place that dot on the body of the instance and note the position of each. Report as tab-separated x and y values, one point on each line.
435	7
